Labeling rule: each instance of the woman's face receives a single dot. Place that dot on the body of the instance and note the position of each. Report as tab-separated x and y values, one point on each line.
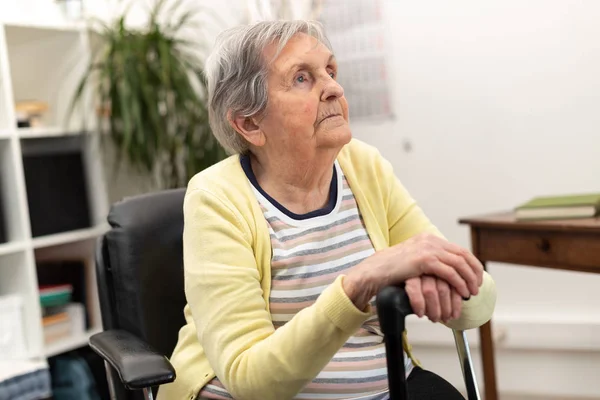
307	110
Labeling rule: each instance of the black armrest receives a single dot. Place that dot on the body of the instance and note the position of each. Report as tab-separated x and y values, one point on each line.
137	364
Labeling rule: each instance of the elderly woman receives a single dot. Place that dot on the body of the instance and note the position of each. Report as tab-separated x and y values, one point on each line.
288	241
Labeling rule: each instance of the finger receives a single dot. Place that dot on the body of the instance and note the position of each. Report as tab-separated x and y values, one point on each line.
435	267
432	301
415	294
461	266
471	260
456	304
444	295
476	265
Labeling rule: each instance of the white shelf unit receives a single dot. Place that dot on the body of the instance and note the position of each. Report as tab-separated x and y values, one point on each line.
45	62
67	344
28	49
45	132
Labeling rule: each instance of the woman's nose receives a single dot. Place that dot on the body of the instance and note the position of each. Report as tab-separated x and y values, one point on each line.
332	90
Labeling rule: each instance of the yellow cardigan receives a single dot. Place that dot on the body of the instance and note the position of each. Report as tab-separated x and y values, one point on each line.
227	259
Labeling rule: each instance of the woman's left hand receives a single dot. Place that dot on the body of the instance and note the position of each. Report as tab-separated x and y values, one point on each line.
434	298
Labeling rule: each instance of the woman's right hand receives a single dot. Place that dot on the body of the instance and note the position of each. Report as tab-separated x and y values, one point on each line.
423	254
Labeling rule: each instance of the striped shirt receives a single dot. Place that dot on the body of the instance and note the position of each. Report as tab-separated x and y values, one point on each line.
308	252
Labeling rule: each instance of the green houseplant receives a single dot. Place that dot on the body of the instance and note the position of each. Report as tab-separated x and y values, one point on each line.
150	94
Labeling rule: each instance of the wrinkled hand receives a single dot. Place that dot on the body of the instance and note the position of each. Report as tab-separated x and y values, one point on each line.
433	297
422	254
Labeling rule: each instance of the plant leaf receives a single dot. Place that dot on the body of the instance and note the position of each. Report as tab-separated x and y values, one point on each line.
152	82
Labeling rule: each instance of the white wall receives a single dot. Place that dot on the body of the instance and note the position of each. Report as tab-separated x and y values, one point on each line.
500	101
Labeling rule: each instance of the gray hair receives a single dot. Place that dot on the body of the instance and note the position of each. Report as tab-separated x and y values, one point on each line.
236	73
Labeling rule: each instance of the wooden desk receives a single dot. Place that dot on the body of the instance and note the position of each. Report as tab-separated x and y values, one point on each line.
560	244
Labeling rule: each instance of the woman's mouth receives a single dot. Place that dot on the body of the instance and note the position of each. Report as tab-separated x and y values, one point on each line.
331	116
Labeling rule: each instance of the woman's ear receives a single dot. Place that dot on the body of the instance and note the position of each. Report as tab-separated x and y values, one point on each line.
248	128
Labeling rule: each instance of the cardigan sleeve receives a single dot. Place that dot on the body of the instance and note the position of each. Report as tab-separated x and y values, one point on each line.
222	285
406	219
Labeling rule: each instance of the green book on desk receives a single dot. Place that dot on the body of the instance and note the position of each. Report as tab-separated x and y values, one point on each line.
560	207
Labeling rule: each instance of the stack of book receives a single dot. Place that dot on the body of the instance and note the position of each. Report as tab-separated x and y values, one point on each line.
61	318
560	207
30	113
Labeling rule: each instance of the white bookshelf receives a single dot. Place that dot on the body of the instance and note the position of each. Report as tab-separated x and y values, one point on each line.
67	344
45	132
68	237
45	61
12	247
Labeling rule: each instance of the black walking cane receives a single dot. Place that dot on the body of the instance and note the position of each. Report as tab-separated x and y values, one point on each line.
393	306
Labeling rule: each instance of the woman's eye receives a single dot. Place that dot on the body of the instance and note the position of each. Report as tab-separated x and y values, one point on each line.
332	74
301	79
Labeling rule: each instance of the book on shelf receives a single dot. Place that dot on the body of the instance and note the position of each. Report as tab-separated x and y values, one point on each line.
57	321
569	206
55	295
30	113
62	322
59	276
56	327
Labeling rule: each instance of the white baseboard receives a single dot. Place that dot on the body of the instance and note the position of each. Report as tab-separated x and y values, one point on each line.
513	333
523	374
535	359
521	396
